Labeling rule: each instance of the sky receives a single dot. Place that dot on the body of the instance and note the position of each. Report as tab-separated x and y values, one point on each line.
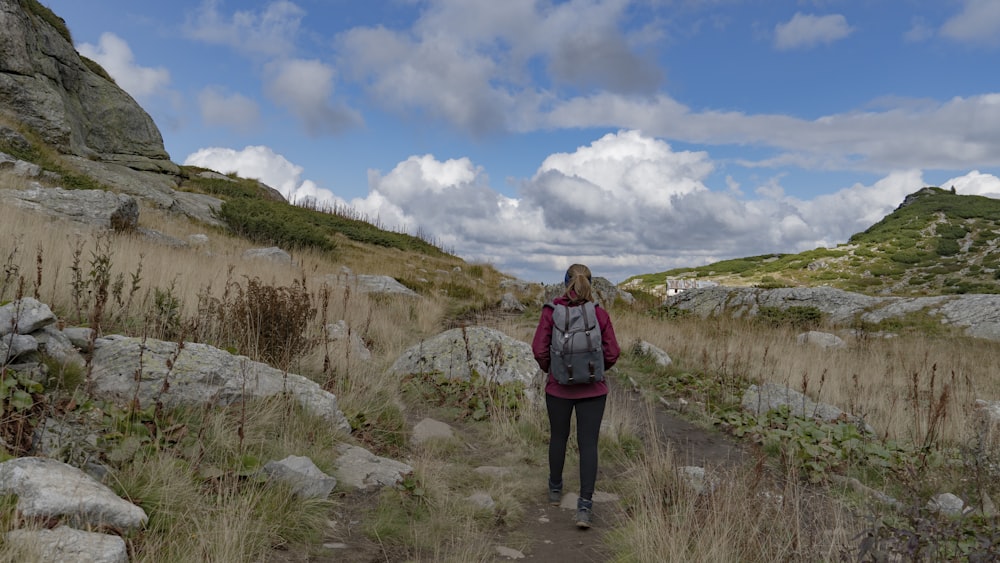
634	136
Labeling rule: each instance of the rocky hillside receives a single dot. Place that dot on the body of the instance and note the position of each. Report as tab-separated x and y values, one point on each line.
935	243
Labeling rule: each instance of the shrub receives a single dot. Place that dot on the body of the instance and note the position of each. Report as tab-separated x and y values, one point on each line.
796	316
947	247
272	223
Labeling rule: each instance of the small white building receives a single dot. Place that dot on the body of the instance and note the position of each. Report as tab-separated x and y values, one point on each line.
674	287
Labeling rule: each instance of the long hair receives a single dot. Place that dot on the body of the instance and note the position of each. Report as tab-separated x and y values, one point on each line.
578	287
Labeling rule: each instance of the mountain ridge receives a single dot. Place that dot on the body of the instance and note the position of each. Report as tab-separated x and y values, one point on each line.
936	242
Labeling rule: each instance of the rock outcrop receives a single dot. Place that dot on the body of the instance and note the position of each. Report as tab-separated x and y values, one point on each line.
977	315
45	84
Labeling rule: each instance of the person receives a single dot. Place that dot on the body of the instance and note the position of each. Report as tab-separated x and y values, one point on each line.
586	399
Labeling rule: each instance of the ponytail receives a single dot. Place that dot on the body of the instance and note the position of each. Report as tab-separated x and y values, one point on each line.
578	285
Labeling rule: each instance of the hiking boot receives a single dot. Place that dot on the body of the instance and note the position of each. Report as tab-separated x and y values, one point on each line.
555	493
584	513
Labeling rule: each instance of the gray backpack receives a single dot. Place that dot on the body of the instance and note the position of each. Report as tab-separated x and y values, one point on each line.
575	354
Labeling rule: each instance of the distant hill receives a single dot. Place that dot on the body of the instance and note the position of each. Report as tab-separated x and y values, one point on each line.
935	243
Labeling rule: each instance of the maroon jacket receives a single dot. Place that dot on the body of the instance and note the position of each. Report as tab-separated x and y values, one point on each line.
540	347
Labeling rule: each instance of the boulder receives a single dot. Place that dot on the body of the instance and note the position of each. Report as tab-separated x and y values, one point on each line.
25	316
100	208
271	253
430	429
758	399
821	339
360	469
301	474
13	346
643	348
68	544
197	374
350	344
47	488
460	352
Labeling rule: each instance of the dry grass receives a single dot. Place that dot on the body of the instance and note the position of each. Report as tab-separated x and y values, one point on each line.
894	383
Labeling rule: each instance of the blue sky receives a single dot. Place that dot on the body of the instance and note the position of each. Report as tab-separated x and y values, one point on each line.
631	135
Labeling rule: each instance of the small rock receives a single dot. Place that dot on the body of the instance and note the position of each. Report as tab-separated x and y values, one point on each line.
428	429
482	500
509	553
948	504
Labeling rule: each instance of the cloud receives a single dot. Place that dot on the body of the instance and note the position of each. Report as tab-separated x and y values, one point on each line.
470	62
234	111
114	54
956	134
305	88
975	183
978	22
804	31
271	32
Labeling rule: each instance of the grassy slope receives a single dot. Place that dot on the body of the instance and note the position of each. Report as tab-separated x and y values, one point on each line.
935	243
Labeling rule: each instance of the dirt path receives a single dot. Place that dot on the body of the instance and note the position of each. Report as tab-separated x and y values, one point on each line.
550	531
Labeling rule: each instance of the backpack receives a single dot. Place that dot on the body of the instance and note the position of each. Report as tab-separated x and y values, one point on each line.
575	353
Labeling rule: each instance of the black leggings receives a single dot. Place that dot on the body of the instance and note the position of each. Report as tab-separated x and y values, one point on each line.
589	413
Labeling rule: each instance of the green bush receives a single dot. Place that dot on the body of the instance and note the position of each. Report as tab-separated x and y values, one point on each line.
267	222
947	247
796	316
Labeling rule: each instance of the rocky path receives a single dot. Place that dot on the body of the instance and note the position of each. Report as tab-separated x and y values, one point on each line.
550	531
547	533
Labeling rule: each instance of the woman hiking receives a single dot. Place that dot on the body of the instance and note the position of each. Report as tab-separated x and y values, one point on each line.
582	393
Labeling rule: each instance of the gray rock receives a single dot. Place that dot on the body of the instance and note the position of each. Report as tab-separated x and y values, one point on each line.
821	339
65	440
198	239
510	303
458	353
644	348
101	208
25	316
430	429
947	504
47	488
55	344
270	253
769	396
67	544
360	469
13	346
197	374
301	474
509	552
80	337
380	284
481	500
349	341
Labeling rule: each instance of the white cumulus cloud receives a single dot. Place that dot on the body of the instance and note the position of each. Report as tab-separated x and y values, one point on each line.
270	32
306	88
114	54
978	22
806	30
